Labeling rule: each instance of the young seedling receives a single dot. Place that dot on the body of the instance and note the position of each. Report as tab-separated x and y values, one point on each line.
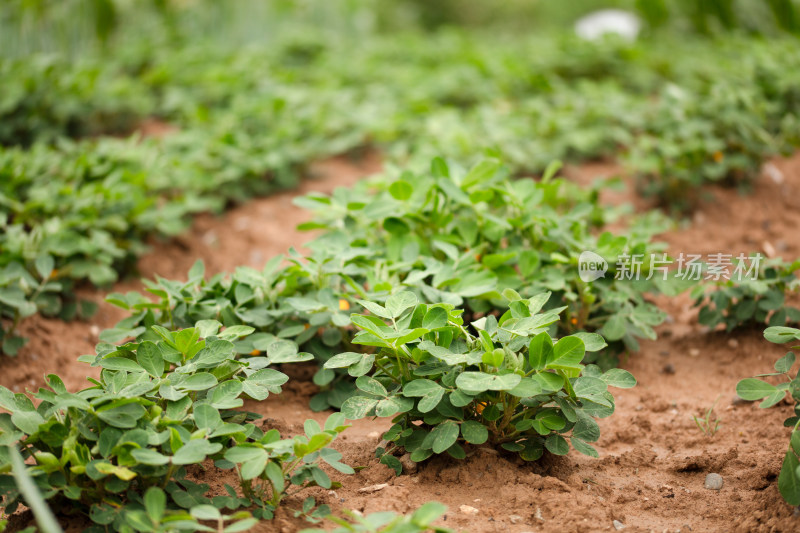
705	424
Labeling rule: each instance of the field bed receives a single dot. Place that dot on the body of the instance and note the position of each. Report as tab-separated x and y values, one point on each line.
653	458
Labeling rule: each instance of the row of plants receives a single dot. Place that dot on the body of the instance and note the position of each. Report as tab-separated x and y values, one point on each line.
249	118
449	235
501	371
750	301
125	452
82	211
460	237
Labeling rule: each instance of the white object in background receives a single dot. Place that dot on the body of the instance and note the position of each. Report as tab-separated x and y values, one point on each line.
596	24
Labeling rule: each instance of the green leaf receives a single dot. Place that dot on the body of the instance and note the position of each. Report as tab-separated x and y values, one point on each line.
567	354
371	385
614	328
357	407
263	382
33	498
206	417
155	503
396	304
226	395
207	328
593	342
444	435
583	447
375	309
427	513
439	168
205	512
393	405
148	456
285	351
121	416
474	432
244	453
788	480
195	451
343	360
752	389
392	462
420	387
773	399
275	475
27	421
436	317
551	420
557	445
245	524
588	386
120	363
477	382
430	392
781	334
253	468
540	350
401	190
149	357
482	172
215	353
526	388
619	378
234	332
102	514
785	363
198	382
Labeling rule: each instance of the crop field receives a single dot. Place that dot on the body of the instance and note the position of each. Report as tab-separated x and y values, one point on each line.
361	266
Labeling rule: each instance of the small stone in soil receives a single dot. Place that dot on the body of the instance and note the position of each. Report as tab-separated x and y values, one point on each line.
713	482
409	466
468	509
694	352
668	369
373	435
373	488
515	518
733	343
618	525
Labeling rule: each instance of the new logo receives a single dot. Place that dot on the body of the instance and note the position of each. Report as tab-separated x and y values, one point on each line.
591	266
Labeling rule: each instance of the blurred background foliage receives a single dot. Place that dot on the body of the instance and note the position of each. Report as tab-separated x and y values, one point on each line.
80	26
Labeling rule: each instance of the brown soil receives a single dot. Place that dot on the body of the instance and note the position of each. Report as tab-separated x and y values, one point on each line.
654	459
